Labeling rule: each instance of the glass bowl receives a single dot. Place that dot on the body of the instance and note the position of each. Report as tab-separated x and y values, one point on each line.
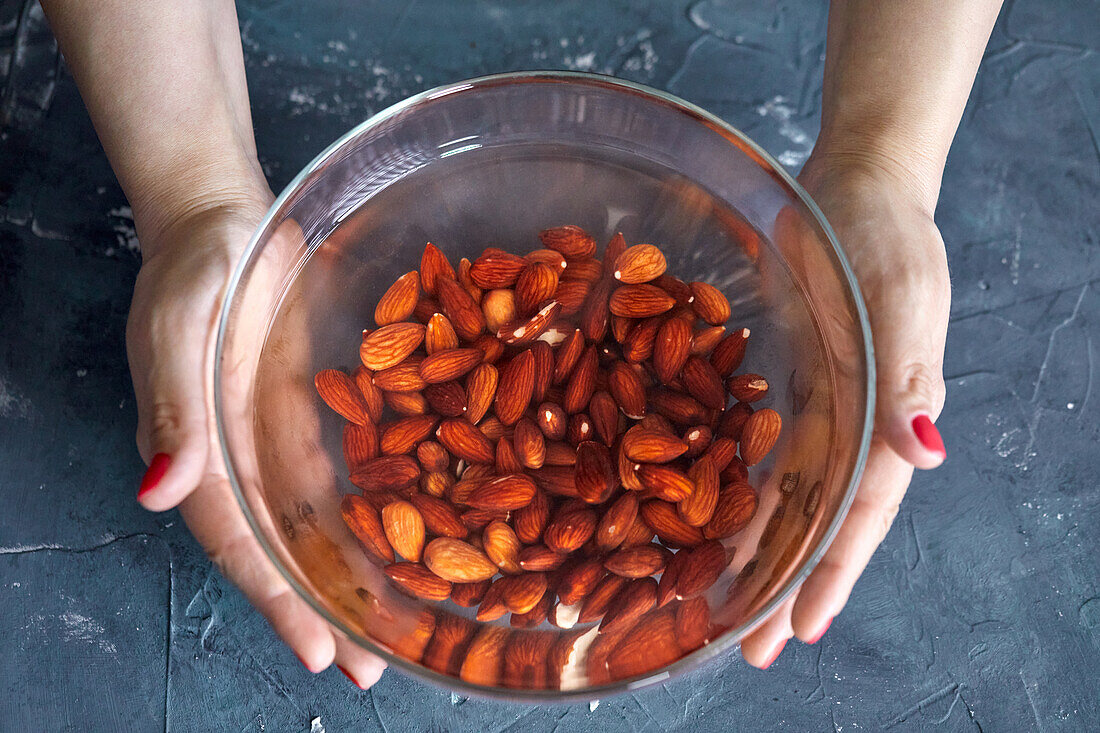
493	161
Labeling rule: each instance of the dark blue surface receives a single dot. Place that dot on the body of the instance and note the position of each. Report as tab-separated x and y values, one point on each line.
981	610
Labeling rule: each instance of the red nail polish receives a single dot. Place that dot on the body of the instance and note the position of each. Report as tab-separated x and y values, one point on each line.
928	436
775	654
821	633
157	468
348	675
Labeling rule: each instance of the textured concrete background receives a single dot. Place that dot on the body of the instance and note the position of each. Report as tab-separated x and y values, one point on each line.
982	609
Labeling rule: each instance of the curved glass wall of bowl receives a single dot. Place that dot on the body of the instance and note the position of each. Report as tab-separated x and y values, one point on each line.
492	162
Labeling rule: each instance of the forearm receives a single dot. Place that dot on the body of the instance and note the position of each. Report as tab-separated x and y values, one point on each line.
897	77
164	84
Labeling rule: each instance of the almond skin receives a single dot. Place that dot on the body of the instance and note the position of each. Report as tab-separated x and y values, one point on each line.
525	330
758	435
616	521
697	508
529	443
703	383
579	581
735	508
692	624
509	492
666	586
448	365
582	382
463	440
627	389
596	603
663	518
637	562
363	521
704	340
389	345
540	558
340	392
636	598
639	264
447	647
666	482
499	308
496	269
439	516
531	520
747	387
571	241
729	352
458	561
507	460
517	382
403	377
399	301
364	380
433	266
593	474
502	546
460	308
523	592
360	444
484	659
447	398
419	581
406	403
710	304
640	301
492	603
388	473
596	312
404	529
604	412
401	436
466	281
481	390
439	334
568	531
652	446
703	566
649	645
698	438
547	257
640	341
671	349
722	451
536	284
572	294
733	420
469	595
551	420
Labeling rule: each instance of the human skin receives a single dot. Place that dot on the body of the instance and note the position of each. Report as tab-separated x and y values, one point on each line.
164	83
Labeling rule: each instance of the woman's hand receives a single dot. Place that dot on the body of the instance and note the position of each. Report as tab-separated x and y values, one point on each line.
898	256
170	342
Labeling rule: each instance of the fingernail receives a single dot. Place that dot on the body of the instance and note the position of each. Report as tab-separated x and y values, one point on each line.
157	468
348	675
928	436
775	654
817	637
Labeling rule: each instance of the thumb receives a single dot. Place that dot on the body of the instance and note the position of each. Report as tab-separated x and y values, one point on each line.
173	425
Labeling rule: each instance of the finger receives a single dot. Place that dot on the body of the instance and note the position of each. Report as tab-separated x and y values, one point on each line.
909	314
357	664
173	421
763	645
230	545
826	590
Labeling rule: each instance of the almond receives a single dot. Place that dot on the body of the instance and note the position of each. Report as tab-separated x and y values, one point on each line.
517	382
697	508
448	399
639	264
448	365
551	420
406	403
526	330
568	354
675	287
640	301
692	624
364	380
460	308
671	349
569	530
616	521
652	446
620	327
649	645
401	436
582	382
593	474
360	444
547	257
496	269
412	644
439	335
492	603
523	592
507	460
490	346
615	247
502	546
404	377
340	392
363	521
535	285
722	451
404	529
389	345
508	492
458	561
637	562
710	304
663	518
596	602
729	352
556	480
698	438
466	281
439	516
399	301
560	454
463	440
703	383
705	339
448	644
733	420
734	510
388	473
587	269
469	595
666	586
573	242
436	483
665	482
481	390
579	581
484	659
499	308
525	660
580	429
678	407
605	416
638	534
758	435
572	295
425	308
627	389
596	311
539	559
418	581
640	341
531	519
530	445
433	267
703	566
625	468
747	387
635	599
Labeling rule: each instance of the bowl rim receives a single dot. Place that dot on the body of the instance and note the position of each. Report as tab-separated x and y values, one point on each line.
731	637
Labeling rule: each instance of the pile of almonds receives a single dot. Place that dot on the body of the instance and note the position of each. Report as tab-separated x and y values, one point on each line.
556	437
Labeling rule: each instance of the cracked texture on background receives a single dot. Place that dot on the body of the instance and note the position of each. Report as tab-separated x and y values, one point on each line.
982	609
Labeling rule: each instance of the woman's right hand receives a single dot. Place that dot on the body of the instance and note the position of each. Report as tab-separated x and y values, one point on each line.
170	343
